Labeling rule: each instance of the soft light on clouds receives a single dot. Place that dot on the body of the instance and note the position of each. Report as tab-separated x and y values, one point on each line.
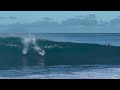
60	21
2	17
12	17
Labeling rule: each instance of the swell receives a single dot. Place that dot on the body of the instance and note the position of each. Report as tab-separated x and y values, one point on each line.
47	53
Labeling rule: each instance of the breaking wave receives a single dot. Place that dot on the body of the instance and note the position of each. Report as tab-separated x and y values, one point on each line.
17	52
27	41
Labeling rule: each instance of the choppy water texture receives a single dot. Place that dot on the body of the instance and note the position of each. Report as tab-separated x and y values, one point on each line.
59	56
64	72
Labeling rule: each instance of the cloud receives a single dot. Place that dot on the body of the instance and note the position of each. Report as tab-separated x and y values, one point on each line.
1	17
74	24
90	20
46	18
12	17
5	18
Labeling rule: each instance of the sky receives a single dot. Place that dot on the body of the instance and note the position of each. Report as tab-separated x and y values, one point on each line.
31	16
8	17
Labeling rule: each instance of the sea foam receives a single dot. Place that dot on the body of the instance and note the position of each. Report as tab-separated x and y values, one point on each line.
31	40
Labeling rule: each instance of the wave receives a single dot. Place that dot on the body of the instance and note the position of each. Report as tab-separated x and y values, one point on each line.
22	52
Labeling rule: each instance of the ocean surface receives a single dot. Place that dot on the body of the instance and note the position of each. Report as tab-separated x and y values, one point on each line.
59	56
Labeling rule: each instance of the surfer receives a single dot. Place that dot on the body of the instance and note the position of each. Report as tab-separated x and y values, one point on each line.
108	45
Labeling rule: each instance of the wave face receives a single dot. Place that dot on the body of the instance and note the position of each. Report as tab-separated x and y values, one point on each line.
23	52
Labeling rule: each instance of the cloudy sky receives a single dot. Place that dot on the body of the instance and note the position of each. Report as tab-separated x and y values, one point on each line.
25	17
31	16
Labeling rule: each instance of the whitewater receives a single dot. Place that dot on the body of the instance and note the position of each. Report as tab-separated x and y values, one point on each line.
60	56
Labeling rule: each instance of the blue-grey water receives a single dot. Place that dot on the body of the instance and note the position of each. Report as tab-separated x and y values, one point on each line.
75	58
99	38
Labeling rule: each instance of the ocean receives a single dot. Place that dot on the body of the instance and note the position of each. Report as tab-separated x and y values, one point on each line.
59	55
